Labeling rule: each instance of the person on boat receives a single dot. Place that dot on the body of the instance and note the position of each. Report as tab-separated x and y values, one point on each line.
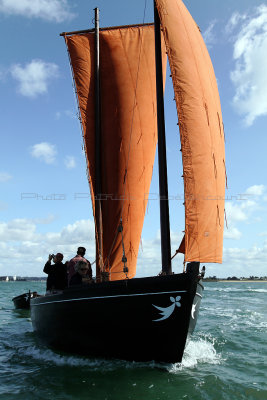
81	275
79	257
57	279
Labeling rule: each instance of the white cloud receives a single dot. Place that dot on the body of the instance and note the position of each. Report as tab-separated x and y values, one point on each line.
45	152
232	233
249	75
245	262
235	211
238	211
233	22
50	10
208	35
34	78
4	177
256	190
66	113
17	229
80	231
43	221
149	256
24	251
20	240
70	162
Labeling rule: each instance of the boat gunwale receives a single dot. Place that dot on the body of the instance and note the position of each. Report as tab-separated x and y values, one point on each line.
121	289
104	297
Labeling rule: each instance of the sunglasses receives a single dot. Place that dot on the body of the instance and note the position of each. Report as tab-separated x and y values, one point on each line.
83	269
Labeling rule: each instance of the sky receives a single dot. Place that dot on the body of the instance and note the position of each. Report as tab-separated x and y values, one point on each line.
45	203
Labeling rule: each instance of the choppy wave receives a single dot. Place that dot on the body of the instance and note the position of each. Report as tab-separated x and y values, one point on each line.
236	317
234	289
257	290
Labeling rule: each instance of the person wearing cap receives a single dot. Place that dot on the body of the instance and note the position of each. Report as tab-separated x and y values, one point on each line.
57	279
79	257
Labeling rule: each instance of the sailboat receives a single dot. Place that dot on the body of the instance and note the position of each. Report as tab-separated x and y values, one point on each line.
119	76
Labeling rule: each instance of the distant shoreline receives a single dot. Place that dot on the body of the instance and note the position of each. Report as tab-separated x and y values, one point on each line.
235	281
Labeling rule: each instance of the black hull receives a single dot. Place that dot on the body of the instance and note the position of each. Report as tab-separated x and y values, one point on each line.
195	308
119	319
23	300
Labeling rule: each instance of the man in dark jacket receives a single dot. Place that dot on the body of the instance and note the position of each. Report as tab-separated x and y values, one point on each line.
57	273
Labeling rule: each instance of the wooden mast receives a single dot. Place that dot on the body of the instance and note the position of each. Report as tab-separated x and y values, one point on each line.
98	210
162	160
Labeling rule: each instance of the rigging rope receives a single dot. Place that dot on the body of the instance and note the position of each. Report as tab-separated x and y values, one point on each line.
175	254
124	258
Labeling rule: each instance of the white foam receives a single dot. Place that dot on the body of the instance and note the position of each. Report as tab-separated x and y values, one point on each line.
234	289
257	290
49	356
197	352
96	364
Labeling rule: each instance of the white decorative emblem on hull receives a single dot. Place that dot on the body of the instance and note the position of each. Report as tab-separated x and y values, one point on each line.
193	310
166	312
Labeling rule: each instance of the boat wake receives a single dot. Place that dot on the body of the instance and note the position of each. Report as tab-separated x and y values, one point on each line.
198	351
50	357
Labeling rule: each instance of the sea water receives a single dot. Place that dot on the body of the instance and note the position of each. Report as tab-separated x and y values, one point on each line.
225	359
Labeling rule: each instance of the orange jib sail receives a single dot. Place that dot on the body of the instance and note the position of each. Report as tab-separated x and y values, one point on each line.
128	132
201	132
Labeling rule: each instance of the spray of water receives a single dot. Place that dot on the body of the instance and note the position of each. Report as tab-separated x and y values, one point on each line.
197	351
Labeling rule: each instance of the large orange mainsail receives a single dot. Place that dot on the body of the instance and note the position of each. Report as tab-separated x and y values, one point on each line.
128	132
201	132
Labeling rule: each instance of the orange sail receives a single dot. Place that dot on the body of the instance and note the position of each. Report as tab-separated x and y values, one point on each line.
201	132
128	132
